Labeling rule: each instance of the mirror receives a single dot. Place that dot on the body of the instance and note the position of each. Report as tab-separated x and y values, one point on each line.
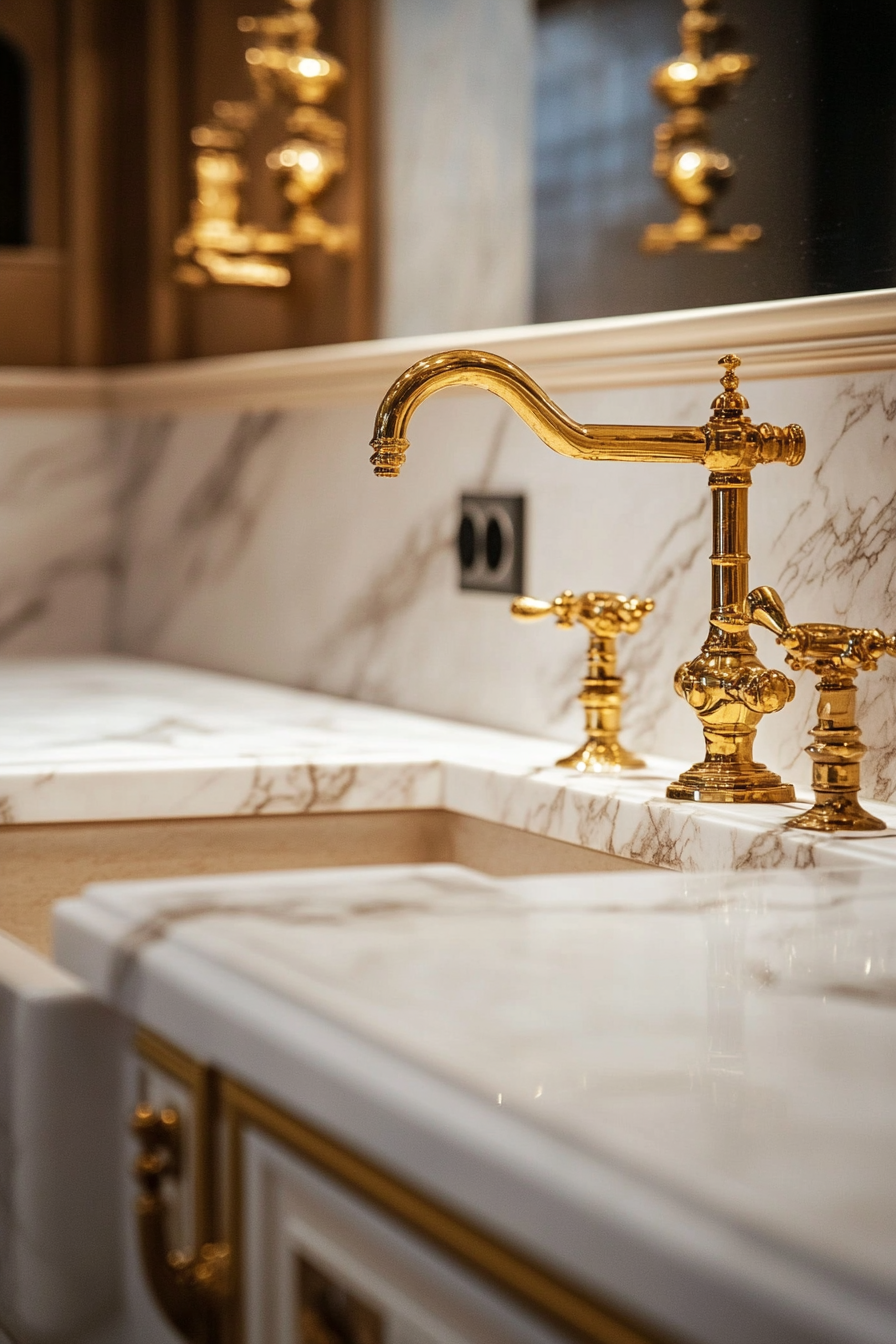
499	169
812	132
14	206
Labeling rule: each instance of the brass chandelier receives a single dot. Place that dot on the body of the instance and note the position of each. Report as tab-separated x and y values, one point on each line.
289	72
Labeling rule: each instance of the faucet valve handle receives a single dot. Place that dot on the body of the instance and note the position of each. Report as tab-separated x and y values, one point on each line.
836	654
605	616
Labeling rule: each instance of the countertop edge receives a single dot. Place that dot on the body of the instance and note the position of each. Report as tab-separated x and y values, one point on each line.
616	1232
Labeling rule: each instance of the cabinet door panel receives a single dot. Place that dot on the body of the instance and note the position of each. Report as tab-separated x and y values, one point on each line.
321	1266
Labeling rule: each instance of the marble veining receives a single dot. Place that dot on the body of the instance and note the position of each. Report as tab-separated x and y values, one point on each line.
732	1036
223	495
114	739
57	541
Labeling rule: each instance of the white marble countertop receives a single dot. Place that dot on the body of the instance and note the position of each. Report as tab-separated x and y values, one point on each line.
108	739
681	1090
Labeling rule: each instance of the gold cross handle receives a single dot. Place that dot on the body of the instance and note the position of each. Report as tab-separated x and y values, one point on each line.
605	616
836	654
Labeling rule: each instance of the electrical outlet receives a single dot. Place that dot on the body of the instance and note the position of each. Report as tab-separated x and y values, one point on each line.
490	543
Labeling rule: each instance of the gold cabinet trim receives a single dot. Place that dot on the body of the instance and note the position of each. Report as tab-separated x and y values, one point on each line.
201	1082
238	1107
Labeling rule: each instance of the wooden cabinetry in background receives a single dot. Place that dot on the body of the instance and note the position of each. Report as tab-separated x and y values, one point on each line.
32	278
112	91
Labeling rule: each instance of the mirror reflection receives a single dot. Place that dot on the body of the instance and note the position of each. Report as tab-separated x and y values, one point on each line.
183	178
811	132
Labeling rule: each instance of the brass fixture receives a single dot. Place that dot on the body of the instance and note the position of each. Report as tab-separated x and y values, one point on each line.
194	1290
836	654
693	83
287	69
605	616
726	683
237	1111
216	246
191	1290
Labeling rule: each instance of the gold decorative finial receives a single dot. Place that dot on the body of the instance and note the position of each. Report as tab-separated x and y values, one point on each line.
730	379
731	403
692	84
605	616
836	654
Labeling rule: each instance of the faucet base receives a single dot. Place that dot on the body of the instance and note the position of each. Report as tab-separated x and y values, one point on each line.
601	758
730	782
731	691
840	814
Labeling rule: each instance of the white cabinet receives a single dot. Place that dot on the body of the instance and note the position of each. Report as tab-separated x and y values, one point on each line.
322	1266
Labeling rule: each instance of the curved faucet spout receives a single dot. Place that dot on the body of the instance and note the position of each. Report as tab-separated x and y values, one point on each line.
475	368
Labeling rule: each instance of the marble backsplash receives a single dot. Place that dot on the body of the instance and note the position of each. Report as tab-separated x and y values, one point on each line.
57	542
261	543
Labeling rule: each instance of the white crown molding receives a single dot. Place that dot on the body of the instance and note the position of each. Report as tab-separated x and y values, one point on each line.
839	333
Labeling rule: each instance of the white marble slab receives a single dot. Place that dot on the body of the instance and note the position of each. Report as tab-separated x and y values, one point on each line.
60	1151
111	739
635	1075
57	532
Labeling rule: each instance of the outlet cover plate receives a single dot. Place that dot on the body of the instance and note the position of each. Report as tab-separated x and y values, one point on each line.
490	543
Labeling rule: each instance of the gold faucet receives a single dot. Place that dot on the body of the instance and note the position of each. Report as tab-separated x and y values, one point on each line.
725	684
605	616
836	654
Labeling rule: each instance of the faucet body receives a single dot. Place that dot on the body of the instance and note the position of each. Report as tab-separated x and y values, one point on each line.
725	684
836	654
605	616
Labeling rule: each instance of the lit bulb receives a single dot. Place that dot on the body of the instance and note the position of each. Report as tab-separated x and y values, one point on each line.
682	71
309	66
689	162
309	159
289	158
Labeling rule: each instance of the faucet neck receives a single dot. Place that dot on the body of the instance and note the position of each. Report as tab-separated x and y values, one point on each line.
730	559
477	368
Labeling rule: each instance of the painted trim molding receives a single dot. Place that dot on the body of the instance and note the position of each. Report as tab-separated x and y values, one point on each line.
838	333
39	389
239	1110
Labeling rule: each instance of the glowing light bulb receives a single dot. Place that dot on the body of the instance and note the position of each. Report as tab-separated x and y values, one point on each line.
309	66
682	71
689	162
309	159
